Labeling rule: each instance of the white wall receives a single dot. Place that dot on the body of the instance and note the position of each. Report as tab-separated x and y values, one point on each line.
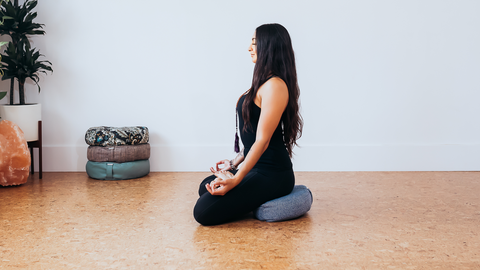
385	85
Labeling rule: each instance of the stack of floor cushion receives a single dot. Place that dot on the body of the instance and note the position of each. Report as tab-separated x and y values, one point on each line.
117	153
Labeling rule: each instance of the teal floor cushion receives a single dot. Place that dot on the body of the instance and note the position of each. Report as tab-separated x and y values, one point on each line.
118	153
291	206
118	171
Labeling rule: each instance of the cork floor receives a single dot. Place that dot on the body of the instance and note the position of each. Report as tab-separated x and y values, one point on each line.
359	220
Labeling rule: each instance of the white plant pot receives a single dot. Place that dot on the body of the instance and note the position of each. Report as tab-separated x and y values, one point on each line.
25	116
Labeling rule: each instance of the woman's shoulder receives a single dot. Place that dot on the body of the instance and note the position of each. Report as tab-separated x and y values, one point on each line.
274	85
275	80
274	90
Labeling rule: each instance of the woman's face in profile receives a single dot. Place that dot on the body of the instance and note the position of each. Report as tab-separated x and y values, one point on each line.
253	49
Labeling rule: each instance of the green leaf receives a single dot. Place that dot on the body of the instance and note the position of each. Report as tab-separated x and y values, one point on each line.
2	94
18	21
21	61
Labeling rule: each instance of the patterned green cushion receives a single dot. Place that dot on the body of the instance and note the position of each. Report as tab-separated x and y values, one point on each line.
118	171
109	136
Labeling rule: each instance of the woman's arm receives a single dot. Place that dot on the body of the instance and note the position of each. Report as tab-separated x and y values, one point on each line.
227	164
237	160
272	98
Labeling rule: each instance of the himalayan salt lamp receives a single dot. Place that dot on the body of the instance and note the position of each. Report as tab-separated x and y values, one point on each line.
14	155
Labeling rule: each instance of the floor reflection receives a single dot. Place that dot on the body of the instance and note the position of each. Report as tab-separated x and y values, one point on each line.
252	244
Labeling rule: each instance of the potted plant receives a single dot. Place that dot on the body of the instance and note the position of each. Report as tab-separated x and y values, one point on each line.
3	93
21	62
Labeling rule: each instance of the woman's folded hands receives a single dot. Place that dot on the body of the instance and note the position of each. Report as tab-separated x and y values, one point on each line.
224	182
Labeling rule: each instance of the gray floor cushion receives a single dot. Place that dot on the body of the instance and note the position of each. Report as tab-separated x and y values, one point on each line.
118	171
109	136
291	206
119	154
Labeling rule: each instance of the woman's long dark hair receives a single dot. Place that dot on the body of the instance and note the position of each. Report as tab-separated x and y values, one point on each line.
275	57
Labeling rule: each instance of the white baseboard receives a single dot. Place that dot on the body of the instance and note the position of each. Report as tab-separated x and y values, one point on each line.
183	158
388	158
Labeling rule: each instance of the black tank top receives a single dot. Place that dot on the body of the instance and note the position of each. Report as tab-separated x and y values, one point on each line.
276	156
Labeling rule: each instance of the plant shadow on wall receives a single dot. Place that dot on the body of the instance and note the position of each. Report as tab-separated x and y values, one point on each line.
21	62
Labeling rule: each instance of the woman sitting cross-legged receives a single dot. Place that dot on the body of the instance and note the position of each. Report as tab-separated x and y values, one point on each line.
269	123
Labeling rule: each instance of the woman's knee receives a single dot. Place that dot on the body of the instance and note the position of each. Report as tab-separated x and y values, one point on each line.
202	189
203	217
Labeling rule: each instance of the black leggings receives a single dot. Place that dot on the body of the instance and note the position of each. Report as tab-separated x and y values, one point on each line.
258	186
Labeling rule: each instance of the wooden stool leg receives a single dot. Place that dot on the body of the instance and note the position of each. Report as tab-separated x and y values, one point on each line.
40	146
37	144
40	162
31	158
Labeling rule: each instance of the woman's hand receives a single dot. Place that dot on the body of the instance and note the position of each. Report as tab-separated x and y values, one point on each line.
224	182
226	166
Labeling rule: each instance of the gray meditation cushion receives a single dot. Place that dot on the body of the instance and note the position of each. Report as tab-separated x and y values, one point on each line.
291	206
118	153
